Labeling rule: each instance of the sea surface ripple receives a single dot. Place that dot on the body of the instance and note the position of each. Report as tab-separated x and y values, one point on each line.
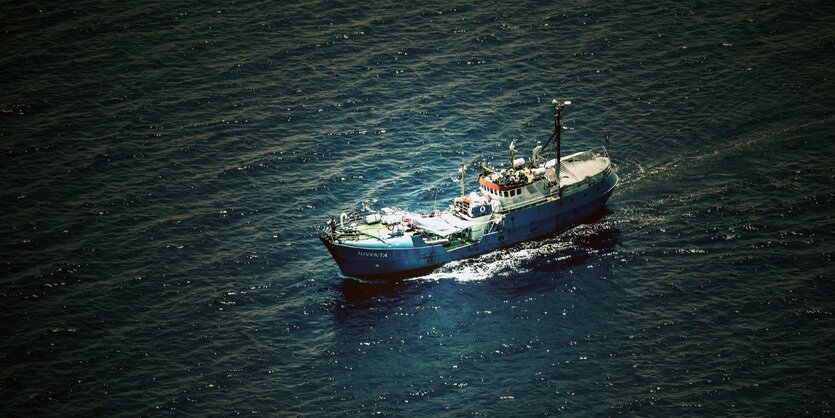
167	167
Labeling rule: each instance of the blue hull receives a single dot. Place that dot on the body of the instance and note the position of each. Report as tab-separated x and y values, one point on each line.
518	226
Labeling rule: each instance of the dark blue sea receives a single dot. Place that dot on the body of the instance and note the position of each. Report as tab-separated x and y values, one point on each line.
167	168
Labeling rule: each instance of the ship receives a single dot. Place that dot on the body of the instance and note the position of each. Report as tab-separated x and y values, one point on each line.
530	199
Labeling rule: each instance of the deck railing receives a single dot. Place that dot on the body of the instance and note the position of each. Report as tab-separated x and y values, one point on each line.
599	151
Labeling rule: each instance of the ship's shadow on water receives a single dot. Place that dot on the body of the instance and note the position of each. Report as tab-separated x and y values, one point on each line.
357	292
358	297
593	237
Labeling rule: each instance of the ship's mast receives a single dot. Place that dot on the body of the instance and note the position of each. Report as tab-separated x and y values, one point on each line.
558	107
462	180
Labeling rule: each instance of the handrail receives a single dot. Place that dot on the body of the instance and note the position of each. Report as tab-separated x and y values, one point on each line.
589	154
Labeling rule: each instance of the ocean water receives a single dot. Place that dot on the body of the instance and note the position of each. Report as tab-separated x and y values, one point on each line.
167	168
